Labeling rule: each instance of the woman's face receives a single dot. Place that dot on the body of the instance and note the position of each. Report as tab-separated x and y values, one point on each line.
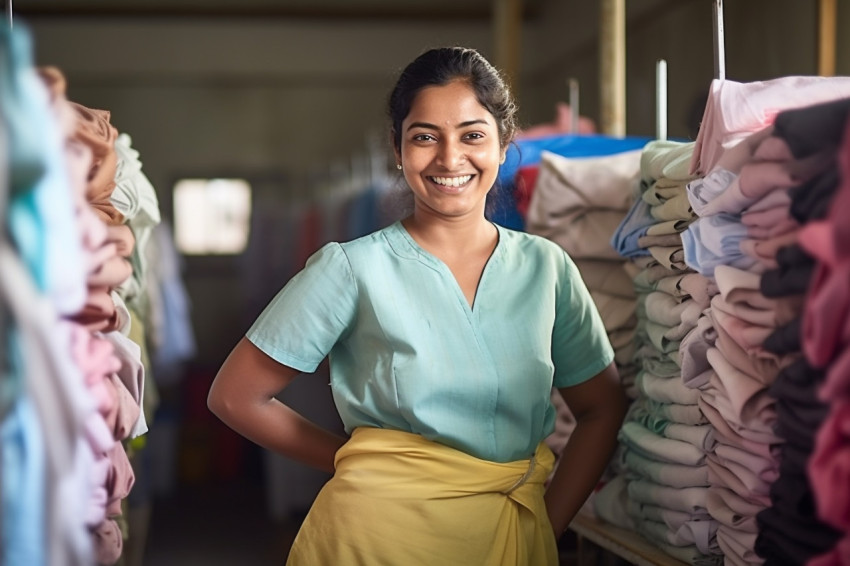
450	151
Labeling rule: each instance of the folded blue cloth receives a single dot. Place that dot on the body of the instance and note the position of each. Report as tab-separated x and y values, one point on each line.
715	240
633	227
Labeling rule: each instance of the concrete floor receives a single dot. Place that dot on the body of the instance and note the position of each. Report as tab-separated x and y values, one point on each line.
222	524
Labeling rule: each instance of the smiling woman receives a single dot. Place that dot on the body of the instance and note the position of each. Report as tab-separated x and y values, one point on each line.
450	151
446	334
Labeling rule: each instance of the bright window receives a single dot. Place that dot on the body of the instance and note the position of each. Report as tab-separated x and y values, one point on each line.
211	216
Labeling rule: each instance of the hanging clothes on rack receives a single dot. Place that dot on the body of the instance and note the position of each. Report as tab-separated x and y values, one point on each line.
46	457
826	343
766	410
72	383
104	321
735	110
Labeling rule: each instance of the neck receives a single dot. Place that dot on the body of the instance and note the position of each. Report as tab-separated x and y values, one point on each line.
455	235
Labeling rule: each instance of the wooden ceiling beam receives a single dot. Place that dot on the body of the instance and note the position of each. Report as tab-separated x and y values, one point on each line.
418	11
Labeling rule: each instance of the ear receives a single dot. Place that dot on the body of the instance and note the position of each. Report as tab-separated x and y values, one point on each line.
396	150
503	156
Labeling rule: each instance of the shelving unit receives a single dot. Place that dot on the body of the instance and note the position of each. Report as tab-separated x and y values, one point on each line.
629	546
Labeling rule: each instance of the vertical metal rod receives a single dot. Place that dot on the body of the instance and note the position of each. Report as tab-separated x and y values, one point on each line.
661	99
574	105
719	42
9	12
826	37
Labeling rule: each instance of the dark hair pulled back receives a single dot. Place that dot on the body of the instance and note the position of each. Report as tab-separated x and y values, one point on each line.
438	67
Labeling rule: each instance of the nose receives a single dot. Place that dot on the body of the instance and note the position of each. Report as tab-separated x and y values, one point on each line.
451	155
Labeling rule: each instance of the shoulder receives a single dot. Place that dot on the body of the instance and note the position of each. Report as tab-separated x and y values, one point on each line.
373	243
538	258
531	247
373	250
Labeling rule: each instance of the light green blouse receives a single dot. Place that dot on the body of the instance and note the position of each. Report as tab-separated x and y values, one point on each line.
408	353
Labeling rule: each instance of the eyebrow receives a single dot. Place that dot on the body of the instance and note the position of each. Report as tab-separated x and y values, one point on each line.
434	127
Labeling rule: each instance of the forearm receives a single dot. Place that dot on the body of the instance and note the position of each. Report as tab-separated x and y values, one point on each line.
278	428
243	396
582	462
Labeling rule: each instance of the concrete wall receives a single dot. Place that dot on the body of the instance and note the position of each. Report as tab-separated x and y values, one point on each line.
213	97
246	95
209	98
764	39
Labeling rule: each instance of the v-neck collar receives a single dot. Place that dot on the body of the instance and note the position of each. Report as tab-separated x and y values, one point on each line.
404	245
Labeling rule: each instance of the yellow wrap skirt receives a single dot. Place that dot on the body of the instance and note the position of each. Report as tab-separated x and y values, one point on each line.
397	499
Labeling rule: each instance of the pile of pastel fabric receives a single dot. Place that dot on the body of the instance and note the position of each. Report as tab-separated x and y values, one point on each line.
73	378
518	174
761	176
826	345
660	490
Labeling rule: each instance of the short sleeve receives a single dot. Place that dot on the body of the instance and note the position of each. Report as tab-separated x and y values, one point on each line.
580	345
307	317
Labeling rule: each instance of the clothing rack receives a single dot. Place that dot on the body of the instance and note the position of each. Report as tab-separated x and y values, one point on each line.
346	176
624	543
574	105
719	41
661	99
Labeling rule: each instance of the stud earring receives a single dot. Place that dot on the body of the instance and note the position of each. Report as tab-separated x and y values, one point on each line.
398	166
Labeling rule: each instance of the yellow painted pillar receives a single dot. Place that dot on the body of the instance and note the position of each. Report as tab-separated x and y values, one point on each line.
612	67
507	31
826	37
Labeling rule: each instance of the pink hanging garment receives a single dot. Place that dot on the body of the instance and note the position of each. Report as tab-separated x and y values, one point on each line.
735	110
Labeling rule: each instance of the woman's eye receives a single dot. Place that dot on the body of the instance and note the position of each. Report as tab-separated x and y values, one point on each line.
423	137
474	136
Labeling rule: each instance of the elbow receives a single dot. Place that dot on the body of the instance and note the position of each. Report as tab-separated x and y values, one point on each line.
218	404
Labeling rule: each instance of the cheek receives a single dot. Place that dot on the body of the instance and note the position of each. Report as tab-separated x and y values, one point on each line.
415	158
489	157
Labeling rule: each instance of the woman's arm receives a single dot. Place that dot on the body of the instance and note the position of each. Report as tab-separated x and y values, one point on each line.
599	406
242	395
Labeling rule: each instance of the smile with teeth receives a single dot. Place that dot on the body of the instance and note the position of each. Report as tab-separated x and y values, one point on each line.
451	181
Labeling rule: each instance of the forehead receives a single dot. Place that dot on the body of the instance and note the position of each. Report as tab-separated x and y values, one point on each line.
449	104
